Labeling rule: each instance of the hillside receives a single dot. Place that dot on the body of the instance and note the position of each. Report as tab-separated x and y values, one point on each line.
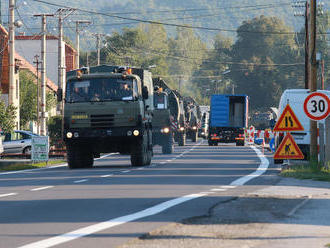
227	15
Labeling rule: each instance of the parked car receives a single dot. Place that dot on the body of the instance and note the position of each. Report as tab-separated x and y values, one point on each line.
18	142
1	146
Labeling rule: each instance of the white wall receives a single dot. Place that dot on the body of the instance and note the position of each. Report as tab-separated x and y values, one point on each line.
29	48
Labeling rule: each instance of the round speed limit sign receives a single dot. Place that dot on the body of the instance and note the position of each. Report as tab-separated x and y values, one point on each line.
317	106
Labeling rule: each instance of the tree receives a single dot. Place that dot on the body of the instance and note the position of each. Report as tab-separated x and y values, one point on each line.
7	116
263	44
28	99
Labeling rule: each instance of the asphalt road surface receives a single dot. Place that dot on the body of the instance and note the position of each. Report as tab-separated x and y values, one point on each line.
113	203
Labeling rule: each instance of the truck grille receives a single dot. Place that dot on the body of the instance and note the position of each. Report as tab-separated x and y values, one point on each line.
102	121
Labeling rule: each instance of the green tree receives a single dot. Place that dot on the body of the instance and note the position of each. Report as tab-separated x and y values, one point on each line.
28	99
262	55
7	116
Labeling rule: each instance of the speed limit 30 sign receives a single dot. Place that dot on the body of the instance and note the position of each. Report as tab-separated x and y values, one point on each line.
317	106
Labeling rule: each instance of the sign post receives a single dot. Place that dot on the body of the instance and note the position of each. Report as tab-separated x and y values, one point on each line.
40	148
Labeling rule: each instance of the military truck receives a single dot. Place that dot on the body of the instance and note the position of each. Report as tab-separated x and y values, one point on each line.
168	119
108	109
193	117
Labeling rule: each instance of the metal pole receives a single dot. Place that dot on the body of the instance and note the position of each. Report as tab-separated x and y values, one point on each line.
43	78
78	39
37	62
13	94
77	44
307	65
313	84
98	45
322	73
60	57
43	74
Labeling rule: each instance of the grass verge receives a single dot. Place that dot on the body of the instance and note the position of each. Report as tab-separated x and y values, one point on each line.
309	171
16	167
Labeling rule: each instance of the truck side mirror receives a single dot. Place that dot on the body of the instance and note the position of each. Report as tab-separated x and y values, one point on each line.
145	93
59	94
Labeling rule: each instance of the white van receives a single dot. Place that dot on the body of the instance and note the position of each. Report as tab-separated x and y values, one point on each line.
295	98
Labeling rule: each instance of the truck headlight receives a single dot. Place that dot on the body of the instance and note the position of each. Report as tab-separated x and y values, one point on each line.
136	132
129	133
165	130
69	135
194	127
76	134
181	128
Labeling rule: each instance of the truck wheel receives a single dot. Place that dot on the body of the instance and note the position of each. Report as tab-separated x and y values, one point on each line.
194	137
79	157
141	154
182	139
167	148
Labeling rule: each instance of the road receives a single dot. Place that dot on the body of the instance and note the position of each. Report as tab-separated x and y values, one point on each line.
113	203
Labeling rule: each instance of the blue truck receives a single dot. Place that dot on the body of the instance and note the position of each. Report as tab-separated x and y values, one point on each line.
228	119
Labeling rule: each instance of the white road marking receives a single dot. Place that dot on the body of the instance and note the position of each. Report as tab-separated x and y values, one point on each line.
82	232
109	175
294	210
111	223
47	168
169	160
9	194
218	190
162	162
260	170
141	168
125	171
81	181
42	188
228	186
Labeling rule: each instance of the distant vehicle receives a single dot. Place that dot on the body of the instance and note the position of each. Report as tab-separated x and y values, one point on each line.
204	130
228	118
193	118
295	98
18	142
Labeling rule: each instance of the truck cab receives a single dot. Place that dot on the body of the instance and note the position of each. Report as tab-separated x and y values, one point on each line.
108	109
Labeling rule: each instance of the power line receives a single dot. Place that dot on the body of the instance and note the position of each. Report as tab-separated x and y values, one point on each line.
163	23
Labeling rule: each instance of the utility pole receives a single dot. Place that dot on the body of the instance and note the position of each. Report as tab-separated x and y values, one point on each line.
98	46
306	14
37	62
78	39
62	13
13	94
43	73
313	77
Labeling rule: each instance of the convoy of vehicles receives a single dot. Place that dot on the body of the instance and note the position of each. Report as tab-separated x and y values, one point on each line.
295	98
108	109
228	119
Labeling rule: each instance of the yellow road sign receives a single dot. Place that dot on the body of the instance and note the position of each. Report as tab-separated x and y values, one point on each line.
288	149
288	121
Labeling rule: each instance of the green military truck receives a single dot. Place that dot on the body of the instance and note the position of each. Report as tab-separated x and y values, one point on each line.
108	109
168	117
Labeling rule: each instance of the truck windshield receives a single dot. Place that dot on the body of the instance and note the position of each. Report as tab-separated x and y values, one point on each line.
160	101
101	89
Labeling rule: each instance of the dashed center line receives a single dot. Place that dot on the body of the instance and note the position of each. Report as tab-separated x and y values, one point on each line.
9	194
162	162
109	175
125	171
218	190
42	188
81	181
228	186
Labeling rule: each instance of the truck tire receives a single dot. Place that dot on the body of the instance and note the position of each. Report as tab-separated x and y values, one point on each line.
79	157
194	137
182	139
141	154
167	147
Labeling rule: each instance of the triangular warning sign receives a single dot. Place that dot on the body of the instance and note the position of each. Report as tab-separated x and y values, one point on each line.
288	149
288	121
